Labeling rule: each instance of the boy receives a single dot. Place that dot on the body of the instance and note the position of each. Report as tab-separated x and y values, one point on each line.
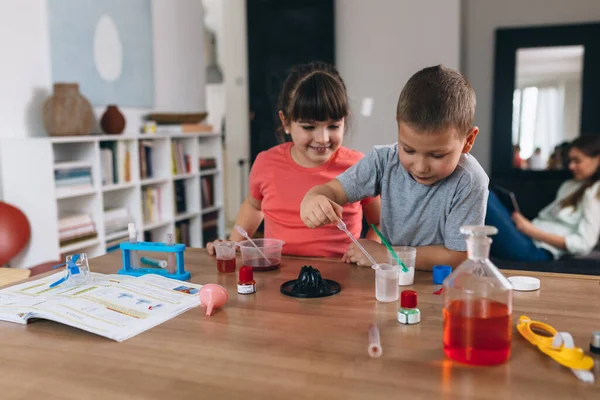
429	185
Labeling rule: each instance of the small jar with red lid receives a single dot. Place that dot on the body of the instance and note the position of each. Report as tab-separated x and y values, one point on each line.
246	283
408	313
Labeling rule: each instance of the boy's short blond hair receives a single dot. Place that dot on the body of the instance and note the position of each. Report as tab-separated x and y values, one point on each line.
437	98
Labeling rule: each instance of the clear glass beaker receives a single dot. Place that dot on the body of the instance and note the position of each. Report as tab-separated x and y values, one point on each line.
408	256
386	282
225	254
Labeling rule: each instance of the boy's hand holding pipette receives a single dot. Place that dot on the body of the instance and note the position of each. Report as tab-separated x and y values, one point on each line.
317	210
356	256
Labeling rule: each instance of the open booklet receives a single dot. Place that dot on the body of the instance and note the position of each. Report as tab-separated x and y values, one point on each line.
115	306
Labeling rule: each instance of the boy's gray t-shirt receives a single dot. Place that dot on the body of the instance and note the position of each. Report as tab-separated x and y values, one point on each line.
413	214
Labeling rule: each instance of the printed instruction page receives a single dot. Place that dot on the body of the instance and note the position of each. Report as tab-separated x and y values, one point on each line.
115	306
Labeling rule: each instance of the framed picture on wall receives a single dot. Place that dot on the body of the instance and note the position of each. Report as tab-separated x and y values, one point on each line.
105	46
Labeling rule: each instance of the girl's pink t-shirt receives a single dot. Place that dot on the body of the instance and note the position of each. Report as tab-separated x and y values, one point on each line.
280	184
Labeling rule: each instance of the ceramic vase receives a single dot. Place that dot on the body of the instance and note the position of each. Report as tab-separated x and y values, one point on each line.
66	112
112	121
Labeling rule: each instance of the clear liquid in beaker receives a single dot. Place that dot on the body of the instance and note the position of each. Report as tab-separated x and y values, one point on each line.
386	283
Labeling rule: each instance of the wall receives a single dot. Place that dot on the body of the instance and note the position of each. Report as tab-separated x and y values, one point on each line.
233	57
379	45
229	99
25	74
480	20
179	55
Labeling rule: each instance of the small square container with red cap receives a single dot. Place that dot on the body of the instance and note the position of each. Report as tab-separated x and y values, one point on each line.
408	313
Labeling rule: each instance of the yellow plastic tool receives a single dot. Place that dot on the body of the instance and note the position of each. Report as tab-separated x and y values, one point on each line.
556	345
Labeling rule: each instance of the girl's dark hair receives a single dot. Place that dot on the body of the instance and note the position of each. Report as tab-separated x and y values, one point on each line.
590	146
312	92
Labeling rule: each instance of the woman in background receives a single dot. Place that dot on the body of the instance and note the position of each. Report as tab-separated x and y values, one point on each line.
568	225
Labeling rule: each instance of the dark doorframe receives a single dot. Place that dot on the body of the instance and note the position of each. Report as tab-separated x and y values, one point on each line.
280	35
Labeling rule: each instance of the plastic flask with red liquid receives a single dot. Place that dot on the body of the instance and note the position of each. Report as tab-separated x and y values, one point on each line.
477	305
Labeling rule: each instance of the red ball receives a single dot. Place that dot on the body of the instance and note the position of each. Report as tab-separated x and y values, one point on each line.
14	232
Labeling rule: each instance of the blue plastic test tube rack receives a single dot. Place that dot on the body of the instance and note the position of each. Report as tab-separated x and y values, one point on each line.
178	249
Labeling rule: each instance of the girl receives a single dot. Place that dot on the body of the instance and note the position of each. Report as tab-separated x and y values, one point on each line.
568	225
313	109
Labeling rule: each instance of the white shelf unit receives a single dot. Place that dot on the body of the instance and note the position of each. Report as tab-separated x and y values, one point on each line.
27	166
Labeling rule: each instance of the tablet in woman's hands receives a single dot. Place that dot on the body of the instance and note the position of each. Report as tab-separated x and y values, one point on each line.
507	198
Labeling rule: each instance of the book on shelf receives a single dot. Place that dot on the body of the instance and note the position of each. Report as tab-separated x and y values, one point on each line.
207	163
75	173
183	128
74	181
69	165
75	233
210	220
127	172
106	165
207	191
142	160
75	228
72	177
66	191
180	200
151	200
78	239
179	160
182	232
74	220
115	162
145	150
210	227
114	306
209	235
116	219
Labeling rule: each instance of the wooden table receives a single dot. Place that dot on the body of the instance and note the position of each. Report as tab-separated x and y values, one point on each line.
269	346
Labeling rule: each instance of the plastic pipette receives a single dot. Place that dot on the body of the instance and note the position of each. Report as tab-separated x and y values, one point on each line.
245	234
342	226
374	349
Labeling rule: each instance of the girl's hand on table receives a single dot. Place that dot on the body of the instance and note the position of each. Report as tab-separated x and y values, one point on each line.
210	246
